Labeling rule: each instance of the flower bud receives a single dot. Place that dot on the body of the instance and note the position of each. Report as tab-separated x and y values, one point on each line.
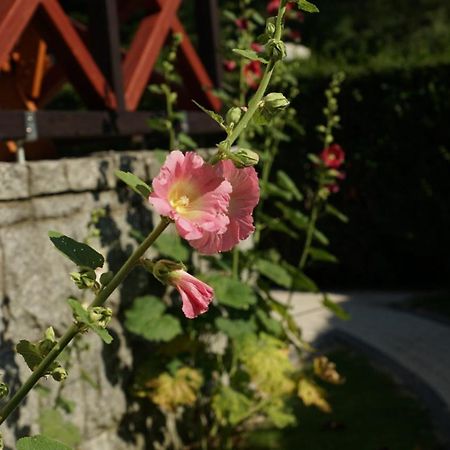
59	374
100	315
233	115
163	268
4	390
270	27
275	102
244	158
277	49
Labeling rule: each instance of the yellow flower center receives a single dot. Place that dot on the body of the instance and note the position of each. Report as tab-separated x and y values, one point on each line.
180	204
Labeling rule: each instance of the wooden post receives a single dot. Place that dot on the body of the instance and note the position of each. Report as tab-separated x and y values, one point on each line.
104	42
208	29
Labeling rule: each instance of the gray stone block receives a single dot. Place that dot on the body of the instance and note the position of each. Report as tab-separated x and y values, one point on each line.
15	212
57	206
91	174
13	181
47	177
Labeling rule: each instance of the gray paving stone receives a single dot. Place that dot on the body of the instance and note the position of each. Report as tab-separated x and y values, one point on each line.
13	181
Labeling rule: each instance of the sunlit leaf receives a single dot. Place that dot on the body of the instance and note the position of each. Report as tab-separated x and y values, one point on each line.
135	183
336	309
53	425
318	254
274	272
250	54
304	5
231	292
40	443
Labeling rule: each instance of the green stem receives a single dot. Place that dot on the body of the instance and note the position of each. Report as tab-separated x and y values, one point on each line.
74	329
259	94
309	235
236	263
169	110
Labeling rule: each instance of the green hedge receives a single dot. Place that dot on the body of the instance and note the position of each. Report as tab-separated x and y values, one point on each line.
396	131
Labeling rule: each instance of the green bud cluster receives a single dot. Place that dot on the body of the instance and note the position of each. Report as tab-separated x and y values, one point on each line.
84	279
100	315
59	374
4	390
276	48
244	158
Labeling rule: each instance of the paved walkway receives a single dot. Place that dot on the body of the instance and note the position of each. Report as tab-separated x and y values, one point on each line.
417	344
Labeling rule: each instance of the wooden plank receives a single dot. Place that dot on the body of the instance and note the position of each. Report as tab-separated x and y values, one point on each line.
14	17
104	42
80	67
208	30
92	124
144	51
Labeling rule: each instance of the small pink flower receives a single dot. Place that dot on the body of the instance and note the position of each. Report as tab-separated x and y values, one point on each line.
253	73
229	65
333	156
193	194
195	294
243	200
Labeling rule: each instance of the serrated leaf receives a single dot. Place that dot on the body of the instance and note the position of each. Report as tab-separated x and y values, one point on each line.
171	246
135	183
274	272
250	54
304	5
40	443
235	329
232	292
79	253
146	318
286	182
82	315
336	309
335	212
318	254
53	425
230	407
214	116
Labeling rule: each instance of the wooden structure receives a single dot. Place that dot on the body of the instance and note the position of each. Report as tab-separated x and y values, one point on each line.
41	48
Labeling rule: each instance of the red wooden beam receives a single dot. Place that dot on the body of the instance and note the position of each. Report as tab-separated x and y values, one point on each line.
70	50
144	51
14	17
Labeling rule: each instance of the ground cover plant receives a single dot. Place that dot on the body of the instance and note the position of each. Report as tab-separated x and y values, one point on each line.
227	366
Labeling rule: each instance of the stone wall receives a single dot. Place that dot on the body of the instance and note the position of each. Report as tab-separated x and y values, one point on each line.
36	197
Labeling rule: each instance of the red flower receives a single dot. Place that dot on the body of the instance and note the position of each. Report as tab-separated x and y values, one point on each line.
229	65
273	5
333	156
253	73
241	23
257	47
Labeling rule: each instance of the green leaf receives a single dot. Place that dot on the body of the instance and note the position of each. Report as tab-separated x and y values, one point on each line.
40	443
295	217
33	355
274	272
275	191
250	54
232	292
270	324
300	282
278	415
82	316
320	237
146	318
230	407
276	224
81	254
235	329
170	245
335	212
318	254
214	116
336	309
304	5
286	182
135	183
53	425
186	141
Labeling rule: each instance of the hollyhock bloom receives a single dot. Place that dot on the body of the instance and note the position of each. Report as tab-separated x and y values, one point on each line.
333	156
273	5
257	47
192	194
195	295
243	199
333	188
229	65
253	73
241	23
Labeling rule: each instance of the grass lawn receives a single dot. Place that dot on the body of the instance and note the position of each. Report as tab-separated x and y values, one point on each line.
437	303
370	412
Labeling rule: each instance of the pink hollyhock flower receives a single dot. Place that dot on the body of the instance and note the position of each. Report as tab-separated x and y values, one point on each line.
243	200
241	23
253	73
229	65
195	295
333	156
192	194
